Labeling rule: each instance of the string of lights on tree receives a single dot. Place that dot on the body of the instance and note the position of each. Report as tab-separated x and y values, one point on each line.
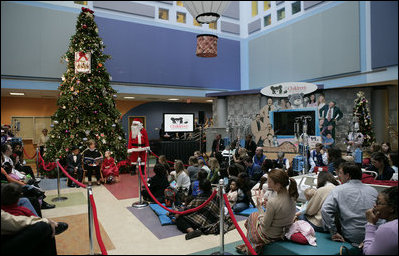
86	105
361	111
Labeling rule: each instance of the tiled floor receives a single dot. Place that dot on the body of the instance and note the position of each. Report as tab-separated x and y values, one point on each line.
122	232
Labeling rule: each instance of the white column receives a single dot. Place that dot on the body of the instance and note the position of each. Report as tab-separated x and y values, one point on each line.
221	112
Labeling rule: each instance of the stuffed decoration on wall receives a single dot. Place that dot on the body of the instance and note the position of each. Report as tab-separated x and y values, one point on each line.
296	100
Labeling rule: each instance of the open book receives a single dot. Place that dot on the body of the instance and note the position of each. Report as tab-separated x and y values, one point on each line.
93	161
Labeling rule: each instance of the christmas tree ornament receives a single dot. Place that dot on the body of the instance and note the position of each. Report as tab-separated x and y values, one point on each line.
64	107
84	139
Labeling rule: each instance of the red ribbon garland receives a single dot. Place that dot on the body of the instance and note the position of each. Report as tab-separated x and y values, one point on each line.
87	10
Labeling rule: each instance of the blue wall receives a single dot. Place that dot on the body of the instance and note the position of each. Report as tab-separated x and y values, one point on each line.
153	112
384	33
154	55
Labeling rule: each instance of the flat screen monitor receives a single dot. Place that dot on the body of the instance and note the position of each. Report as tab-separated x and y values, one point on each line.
283	122
178	122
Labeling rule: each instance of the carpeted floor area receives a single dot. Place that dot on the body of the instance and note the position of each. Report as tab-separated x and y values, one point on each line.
75	240
75	198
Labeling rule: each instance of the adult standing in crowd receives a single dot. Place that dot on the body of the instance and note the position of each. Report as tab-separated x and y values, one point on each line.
383	239
218	147
349	201
325	183
250	145
265	227
43	140
138	144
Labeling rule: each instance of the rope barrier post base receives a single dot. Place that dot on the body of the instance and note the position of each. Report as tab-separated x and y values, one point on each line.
58	198
221	221
141	203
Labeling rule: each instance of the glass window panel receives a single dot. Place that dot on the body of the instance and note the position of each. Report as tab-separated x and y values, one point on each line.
267	20
281	14
296	7
181	17
163	14
254	8
266	5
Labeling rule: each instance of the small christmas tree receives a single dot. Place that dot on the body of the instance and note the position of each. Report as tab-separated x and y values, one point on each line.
361	111
86	99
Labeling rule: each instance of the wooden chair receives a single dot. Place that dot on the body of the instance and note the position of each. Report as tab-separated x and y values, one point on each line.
85	171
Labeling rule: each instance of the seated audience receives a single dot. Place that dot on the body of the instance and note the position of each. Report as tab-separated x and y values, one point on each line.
92	158
309	193
349	201
233	192
157	184
162	160
380	164
281	162
279	214
205	220
199	156
193	168
238	157
318	157
182	180
334	156
254	171
259	157
386	149
202	165
74	166
383	239
250	145
29	235
327	139
195	190
243	193
214	166
109	168
325	183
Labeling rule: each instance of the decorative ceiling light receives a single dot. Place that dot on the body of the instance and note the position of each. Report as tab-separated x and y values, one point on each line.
206	12
207	45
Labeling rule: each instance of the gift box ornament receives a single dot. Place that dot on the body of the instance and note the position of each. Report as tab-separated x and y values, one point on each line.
82	62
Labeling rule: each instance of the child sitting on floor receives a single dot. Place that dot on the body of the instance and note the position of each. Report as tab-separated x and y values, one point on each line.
233	193
109	169
309	193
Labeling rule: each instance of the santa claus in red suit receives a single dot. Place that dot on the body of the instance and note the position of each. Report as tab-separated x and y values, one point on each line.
138	144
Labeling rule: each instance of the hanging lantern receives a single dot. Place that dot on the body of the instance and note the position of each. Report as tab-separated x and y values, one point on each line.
207	45
206	12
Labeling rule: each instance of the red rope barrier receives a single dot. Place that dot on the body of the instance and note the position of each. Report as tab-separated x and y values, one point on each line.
167	160
46	166
69	176
97	227
226	200
173	211
27	154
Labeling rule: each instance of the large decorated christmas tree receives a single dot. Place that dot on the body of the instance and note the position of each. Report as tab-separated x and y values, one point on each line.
86	99
361	111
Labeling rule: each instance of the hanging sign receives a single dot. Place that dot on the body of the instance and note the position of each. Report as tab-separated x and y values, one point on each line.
288	88
82	62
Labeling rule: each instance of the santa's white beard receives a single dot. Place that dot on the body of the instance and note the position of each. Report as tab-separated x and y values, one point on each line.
136	130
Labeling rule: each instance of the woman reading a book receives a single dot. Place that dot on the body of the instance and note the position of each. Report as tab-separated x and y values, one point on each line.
92	159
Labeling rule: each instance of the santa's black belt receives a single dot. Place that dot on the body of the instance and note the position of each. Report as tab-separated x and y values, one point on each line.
138	145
